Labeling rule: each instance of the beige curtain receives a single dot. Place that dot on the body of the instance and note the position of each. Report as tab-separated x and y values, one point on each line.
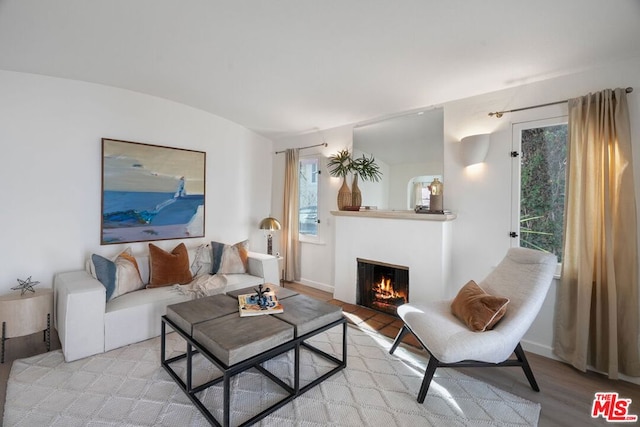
597	305
290	238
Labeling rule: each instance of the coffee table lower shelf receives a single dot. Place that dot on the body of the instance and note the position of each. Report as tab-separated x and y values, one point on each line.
193	348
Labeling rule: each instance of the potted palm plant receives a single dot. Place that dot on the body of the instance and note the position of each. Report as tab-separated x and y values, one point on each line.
366	169
339	165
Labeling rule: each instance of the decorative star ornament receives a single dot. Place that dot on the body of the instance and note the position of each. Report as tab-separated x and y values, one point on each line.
25	285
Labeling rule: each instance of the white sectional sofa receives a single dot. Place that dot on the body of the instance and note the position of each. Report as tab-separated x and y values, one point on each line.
87	324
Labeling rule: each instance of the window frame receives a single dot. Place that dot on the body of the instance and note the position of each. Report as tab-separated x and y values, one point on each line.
516	146
317	238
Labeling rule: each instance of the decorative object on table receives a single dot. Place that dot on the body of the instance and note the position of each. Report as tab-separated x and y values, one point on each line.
151	192
25	285
435	200
270	224
262	302
339	165
424	209
261	297
366	169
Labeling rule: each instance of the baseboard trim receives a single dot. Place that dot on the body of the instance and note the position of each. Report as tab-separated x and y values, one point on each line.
546	351
317	285
537	348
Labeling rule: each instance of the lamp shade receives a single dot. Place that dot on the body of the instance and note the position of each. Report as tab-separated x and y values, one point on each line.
474	149
270	223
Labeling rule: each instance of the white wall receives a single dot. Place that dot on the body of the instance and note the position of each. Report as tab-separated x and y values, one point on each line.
50	170
400	177
482	196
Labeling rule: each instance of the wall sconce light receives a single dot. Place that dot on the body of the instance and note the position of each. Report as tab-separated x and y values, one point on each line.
474	148
270	224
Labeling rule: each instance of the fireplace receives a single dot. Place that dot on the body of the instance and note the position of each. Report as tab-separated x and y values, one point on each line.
382	286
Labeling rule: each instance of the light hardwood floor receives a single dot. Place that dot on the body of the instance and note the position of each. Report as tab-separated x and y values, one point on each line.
566	394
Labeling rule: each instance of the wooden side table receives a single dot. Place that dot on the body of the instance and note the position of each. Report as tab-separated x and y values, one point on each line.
26	314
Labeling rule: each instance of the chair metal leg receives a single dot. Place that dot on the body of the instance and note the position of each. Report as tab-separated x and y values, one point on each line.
428	376
401	333
435	363
525	367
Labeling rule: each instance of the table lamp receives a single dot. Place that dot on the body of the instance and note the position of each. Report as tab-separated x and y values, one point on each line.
270	224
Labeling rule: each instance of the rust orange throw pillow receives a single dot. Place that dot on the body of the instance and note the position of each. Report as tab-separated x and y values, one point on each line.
477	309
168	268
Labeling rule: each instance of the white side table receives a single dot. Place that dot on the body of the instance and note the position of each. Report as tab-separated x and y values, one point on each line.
26	314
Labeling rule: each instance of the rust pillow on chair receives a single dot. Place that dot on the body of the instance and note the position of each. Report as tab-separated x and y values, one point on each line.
168	268
477	309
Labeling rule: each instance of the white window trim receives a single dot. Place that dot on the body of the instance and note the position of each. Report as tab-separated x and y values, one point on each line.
516	135
317	239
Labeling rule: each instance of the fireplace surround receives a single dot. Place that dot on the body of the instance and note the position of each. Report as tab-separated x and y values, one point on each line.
421	242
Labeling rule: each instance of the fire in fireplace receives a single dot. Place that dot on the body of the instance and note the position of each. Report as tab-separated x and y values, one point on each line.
382	286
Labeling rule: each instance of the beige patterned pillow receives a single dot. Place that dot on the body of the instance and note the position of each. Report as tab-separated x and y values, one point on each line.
229	259
119	276
127	274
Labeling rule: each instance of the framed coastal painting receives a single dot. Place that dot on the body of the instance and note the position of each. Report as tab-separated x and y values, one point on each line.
151	192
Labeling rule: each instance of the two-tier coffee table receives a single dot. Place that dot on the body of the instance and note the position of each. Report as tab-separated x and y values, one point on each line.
212	327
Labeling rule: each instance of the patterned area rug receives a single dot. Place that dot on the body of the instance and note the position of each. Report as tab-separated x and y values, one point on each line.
127	386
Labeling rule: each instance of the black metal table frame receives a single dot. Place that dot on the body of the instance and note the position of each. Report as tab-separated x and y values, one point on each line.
193	347
46	337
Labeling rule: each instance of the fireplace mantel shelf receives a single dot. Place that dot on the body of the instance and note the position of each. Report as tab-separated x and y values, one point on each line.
396	215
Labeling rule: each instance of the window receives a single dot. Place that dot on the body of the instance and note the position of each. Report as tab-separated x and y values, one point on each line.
308	202
540	159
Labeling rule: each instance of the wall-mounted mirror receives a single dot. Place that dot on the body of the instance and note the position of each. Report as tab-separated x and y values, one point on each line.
405	147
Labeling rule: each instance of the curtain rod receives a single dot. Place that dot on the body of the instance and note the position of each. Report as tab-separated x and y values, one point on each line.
499	114
324	144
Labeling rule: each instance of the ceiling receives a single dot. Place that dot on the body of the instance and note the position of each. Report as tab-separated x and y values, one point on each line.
284	67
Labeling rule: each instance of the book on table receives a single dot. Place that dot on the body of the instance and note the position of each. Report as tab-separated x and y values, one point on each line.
249	304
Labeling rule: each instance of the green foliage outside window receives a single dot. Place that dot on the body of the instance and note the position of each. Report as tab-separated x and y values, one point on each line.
543	176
